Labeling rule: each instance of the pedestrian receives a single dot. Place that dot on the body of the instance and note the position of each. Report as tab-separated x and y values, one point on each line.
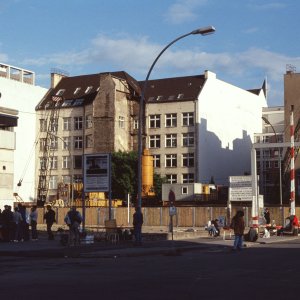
17	218
137	225
238	226
24	226
267	216
8	224
73	219
33	216
49	217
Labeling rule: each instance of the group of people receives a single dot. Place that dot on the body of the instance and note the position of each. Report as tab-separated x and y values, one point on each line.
15	224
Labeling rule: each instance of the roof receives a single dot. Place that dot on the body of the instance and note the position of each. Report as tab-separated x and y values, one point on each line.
173	89
81	90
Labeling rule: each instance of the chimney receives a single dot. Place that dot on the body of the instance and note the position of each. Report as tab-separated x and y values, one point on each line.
56	76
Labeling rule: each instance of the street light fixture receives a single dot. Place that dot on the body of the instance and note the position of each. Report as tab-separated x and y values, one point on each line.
203	31
279	162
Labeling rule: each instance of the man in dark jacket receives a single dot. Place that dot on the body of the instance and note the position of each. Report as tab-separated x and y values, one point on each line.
137	225
49	217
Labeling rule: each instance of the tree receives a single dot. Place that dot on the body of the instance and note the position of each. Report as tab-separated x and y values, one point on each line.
157	182
124	174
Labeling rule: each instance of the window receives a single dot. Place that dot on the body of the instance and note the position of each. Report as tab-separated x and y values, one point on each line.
171	178
43	125
135	124
53	182
188	159
88	89
77	91
266	139
184	190
77	178
43	144
77	102
43	163
89	141
67	103
154	141
54	124
188	178
276	164
88	121
156	161
121	122
171	120
60	92
78	142
266	153
53	143
171	160
66	162
154	121
66	124
53	162
77	161
188	139
66	179
267	164
77	123
258	153
171	140
188	119
66	143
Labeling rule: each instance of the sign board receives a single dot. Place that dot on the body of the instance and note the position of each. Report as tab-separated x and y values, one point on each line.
172	211
96	173
240	188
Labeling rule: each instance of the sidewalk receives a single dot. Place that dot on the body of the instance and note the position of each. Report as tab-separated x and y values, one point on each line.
45	248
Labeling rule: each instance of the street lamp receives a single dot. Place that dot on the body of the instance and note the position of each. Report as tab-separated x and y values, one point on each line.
203	31
279	162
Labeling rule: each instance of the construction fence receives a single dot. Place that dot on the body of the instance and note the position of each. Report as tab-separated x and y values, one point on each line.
159	216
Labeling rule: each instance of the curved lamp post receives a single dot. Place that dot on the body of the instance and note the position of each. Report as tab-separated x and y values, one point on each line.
203	31
279	162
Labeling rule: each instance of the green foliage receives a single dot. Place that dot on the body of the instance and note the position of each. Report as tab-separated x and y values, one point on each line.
157	182
124	174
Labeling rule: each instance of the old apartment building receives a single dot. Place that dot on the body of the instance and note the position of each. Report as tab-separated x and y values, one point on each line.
196	127
80	115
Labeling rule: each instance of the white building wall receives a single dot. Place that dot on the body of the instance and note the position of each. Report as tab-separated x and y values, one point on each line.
23	97
7	146
227	118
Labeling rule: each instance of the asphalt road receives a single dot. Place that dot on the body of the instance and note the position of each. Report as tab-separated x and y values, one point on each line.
270	271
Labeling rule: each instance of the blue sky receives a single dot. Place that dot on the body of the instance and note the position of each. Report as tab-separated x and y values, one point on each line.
254	39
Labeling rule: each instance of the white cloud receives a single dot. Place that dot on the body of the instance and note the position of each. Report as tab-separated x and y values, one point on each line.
183	10
135	56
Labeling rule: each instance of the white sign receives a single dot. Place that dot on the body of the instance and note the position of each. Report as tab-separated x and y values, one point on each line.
96	172
240	188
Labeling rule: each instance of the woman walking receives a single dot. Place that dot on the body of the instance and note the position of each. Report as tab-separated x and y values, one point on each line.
238	226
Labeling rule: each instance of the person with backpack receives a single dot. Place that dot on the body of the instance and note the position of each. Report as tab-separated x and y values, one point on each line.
73	219
238	226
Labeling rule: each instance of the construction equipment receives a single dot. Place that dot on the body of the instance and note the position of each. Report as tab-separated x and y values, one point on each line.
48	147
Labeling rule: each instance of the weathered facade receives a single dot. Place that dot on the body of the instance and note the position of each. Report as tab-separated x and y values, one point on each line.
89	114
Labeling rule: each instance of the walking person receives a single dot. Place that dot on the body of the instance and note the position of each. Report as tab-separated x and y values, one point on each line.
137	225
49	217
17	218
73	219
267	216
33	216
238	226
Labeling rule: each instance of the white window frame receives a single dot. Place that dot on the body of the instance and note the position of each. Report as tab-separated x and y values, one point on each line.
66	162
154	141
53	182
67	124
154	121
171	178
188	159
171	140
78	123
188	119
53	162
156	160
188	139
171	160
78	142
171	120
188	178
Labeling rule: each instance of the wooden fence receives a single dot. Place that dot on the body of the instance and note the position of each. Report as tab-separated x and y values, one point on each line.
159	216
